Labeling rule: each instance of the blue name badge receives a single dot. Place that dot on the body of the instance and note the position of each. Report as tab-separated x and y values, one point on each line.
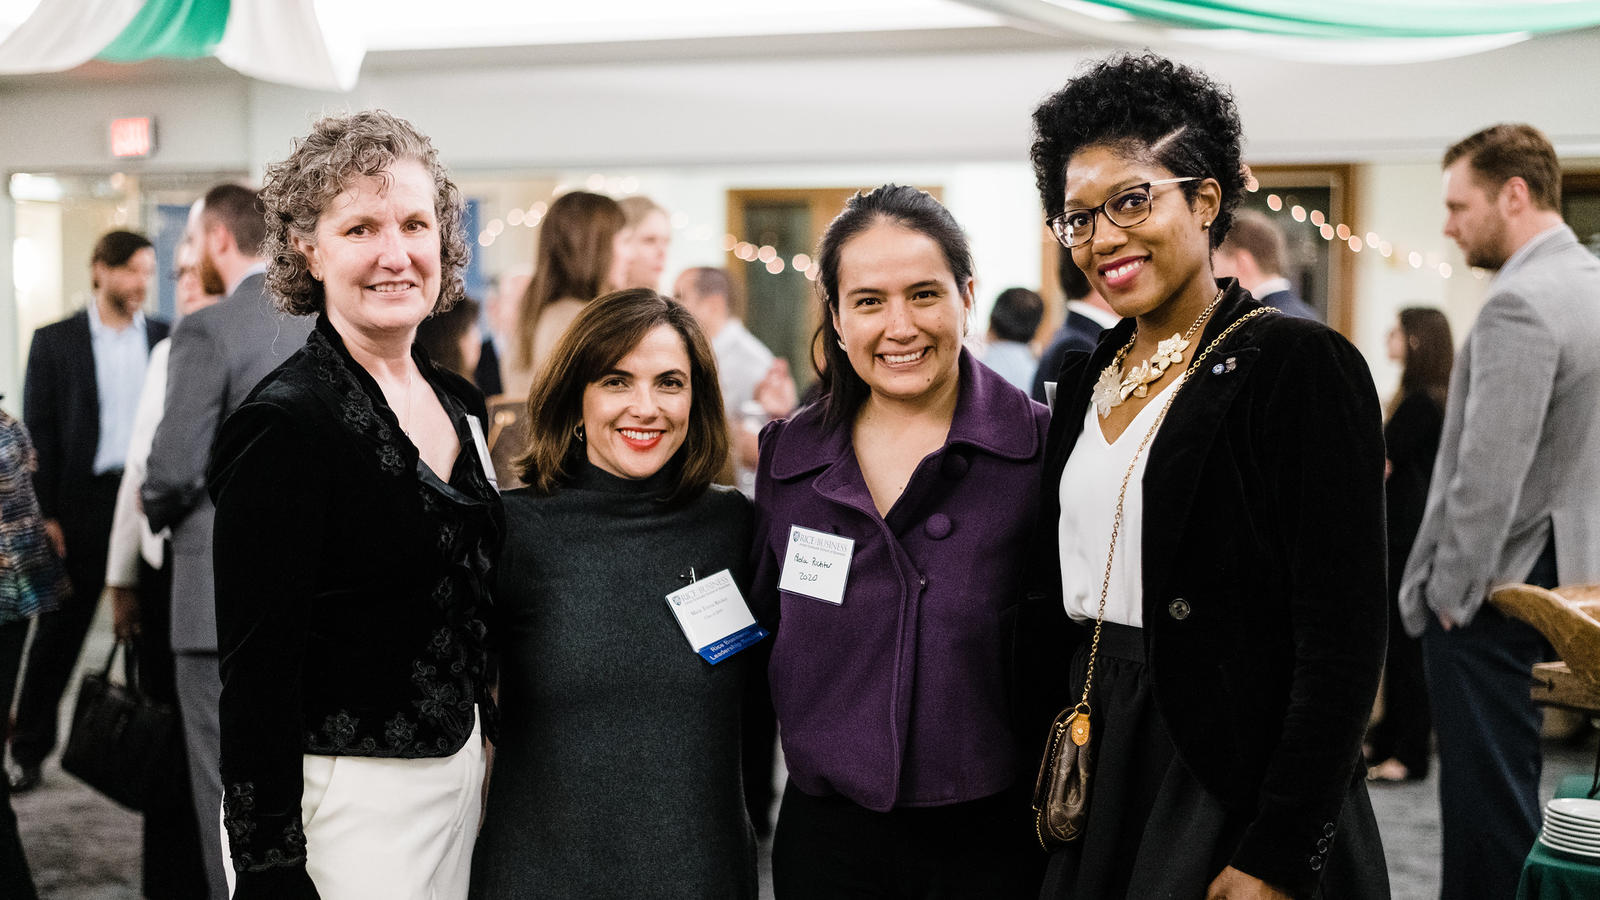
714	617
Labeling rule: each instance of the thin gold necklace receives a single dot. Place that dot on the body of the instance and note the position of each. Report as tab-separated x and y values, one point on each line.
1114	386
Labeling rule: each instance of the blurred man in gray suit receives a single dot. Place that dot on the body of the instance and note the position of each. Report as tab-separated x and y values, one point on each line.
218	356
1515	495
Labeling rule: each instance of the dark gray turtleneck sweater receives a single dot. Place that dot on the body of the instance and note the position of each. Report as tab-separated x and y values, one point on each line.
617	773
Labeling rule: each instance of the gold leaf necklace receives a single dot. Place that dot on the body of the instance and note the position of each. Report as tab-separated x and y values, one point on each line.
1114	386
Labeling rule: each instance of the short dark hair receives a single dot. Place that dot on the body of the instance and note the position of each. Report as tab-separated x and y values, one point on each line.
1147	106
114	249
1074	283
1258	235
440	336
841	389
604	332
1502	152
238	209
1016	314
572	259
320	168
709	281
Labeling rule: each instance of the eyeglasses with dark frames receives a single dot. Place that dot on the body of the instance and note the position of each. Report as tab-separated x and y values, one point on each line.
1126	208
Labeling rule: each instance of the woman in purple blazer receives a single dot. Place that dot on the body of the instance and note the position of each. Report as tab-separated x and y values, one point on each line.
892	522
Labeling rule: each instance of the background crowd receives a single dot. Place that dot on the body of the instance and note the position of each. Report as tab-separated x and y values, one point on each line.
359	580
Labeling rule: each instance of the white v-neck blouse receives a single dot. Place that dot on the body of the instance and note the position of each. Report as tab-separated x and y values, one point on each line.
1089	486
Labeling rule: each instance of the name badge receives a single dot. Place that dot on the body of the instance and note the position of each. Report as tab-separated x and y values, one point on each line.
714	617
817	565
482	447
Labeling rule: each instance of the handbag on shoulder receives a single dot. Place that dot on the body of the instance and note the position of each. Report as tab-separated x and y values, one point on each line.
122	743
1061	792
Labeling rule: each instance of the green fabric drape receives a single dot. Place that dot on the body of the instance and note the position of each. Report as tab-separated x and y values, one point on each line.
173	29
1369	18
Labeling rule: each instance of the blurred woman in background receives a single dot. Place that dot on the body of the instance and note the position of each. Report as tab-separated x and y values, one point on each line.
452	340
648	233
583	252
1398	744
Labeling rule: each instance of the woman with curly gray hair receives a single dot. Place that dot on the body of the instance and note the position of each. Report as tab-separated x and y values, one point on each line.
357	525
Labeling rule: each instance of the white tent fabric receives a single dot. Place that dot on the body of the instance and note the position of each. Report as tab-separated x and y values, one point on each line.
1115	27
64	34
303	43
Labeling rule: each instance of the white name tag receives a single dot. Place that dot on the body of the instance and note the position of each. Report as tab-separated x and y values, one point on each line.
482	446
817	564
714	617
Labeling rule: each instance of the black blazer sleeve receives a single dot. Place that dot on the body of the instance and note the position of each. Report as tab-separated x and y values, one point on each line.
269	481
1323	451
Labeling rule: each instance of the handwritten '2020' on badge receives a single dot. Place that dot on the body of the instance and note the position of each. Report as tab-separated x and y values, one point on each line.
816	564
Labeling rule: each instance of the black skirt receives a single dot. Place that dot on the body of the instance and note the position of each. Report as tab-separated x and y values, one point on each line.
1153	830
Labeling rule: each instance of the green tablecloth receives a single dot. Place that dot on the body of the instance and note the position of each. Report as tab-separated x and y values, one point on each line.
1552	875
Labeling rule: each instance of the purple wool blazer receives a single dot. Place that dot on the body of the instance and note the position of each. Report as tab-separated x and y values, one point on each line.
897	697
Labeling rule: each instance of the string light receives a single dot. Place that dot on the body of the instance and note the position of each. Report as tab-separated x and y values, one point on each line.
1355	242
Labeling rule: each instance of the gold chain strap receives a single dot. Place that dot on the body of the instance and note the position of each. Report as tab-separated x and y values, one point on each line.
1116	520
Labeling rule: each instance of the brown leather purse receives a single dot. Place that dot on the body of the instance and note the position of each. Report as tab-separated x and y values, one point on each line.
1061	793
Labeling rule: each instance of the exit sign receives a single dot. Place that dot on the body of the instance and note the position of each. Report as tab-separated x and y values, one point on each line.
133	138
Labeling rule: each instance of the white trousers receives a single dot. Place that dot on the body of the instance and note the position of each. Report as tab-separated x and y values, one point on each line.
390	829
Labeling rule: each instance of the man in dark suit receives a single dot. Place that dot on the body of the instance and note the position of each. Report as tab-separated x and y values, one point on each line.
1254	252
1087	315
79	395
218	355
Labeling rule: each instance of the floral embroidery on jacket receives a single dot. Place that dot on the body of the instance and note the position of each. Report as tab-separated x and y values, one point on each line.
238	816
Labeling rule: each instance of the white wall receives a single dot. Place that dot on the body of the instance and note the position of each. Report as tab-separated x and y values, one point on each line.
691	128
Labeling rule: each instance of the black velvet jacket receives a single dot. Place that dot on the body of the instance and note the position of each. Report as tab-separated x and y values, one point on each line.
351	593
1264	611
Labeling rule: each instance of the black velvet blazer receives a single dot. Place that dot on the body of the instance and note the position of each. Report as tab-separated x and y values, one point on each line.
1264	610
351	592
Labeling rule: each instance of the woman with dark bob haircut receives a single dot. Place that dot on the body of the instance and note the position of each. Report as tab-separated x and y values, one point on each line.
1209	591
617	770
892	524
356	530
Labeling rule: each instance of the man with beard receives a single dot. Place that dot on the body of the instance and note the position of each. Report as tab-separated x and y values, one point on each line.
1515	495
80	391
218	355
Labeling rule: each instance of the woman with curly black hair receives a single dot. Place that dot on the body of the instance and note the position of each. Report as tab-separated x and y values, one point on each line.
1211	532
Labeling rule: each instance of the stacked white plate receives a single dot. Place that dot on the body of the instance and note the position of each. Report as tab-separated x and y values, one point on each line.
1572	825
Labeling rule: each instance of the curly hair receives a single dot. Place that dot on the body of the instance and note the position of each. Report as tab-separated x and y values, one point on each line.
1149	107
338	150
